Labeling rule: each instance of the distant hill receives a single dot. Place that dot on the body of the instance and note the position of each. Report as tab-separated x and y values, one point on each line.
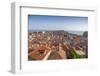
85	34
76	32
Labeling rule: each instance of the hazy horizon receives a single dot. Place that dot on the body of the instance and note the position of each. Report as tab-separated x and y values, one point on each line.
69	31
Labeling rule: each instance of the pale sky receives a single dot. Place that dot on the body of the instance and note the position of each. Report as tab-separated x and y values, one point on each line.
44	22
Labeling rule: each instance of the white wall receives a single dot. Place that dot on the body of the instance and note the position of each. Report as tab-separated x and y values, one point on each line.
5	33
